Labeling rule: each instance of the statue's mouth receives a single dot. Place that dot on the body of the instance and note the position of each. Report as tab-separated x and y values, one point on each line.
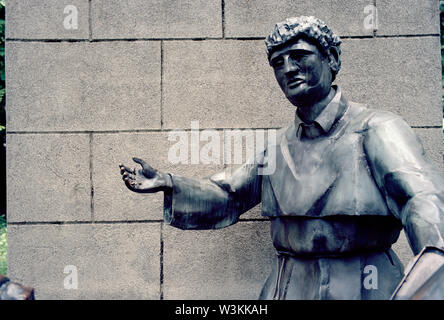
294	83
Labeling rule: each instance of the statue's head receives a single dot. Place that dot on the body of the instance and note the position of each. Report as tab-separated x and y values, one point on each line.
304	49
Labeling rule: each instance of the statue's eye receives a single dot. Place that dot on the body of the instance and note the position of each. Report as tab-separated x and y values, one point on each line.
277	62
297	56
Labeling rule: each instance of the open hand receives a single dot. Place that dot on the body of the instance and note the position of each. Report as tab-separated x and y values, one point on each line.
145	180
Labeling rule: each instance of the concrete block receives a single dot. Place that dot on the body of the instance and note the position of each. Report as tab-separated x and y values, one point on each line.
113	261
229	84
112	200
34	19
400	17
222	84
83	86
156	19
231	263
402	249
402	75
244	18
432	140
48	177
254	213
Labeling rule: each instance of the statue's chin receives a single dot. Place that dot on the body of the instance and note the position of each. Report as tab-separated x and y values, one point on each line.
309	95
302	99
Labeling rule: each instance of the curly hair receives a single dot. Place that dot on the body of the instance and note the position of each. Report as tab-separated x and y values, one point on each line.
309	27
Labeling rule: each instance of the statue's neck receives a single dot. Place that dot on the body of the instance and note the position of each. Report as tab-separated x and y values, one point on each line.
308	113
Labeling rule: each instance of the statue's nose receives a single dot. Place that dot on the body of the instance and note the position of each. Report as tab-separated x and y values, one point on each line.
290	65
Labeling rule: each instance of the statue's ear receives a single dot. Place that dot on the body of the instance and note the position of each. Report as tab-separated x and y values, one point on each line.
333	59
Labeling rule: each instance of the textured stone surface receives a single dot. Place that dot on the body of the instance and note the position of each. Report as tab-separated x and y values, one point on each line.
112	200
36	19
113	261
400	17
226	84
245	18
83	86
399	75
231	263
432	141
402	249
223	84
156	19
48	177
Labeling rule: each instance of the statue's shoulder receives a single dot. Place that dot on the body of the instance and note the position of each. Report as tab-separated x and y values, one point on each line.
368	118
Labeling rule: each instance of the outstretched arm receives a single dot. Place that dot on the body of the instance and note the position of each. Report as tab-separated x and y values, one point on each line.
209	203
214	202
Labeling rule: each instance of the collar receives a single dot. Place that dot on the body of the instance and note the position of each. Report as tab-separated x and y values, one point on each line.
324	121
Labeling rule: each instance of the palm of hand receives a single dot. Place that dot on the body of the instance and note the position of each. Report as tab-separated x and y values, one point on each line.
145	180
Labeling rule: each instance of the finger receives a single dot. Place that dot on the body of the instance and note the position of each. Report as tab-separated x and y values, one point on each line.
130	182
126	169
147	169
127	175
141	162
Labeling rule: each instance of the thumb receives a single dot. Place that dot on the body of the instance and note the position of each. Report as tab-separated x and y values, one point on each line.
147	170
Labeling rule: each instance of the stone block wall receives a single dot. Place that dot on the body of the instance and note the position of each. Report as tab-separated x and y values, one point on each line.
80	101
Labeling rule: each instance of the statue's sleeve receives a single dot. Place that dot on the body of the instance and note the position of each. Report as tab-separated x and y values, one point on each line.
214	202
412	185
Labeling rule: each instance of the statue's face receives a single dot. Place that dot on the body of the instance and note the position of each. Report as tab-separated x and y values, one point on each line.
302	72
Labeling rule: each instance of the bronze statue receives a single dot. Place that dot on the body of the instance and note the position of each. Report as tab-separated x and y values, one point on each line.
347	180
